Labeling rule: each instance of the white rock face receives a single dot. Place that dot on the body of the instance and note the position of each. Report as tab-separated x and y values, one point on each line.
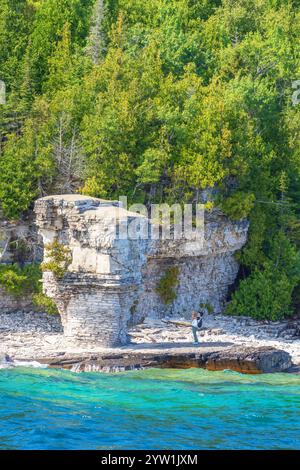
112	281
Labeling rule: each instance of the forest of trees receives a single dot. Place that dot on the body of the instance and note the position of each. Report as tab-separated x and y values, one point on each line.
159	100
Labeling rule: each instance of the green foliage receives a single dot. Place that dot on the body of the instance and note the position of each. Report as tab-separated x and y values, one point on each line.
51	18
18	178
19	281
166	287
26	281
59	258
43	302
264	295
239	205
267	293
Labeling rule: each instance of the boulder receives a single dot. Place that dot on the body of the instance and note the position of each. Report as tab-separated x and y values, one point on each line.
250	360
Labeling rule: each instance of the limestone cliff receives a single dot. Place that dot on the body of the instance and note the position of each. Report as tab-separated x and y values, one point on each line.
112	281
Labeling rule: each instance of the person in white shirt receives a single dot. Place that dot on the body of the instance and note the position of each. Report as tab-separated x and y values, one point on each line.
196	325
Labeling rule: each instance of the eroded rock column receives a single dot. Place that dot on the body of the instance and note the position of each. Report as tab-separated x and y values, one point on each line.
95	295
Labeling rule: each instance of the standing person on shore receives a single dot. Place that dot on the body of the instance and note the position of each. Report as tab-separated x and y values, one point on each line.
196	325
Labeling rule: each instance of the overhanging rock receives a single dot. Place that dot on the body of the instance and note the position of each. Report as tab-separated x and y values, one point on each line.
112	280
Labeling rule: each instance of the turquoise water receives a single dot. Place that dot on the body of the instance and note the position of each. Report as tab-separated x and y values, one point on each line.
151	409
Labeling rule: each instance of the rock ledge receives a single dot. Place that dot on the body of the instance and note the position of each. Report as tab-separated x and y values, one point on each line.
244	360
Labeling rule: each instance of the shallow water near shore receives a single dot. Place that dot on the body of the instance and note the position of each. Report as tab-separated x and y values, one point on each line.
148	409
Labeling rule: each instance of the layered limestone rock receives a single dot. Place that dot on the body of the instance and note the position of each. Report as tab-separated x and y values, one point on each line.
113	279
10	303
206	269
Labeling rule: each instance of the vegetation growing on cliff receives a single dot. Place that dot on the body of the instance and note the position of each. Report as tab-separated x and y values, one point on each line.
159	100
167	284
45	303
58	259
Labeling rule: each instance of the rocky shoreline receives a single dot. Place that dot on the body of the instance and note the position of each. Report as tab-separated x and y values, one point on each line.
239	331
111	282
213	358
240	344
